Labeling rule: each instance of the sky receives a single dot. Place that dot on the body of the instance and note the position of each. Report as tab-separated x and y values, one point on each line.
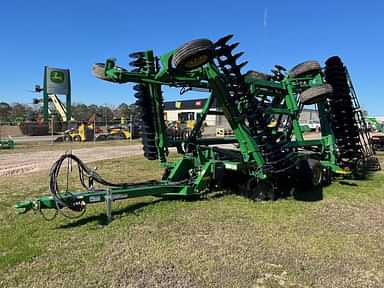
75	34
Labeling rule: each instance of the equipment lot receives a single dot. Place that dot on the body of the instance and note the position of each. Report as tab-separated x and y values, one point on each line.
40	156
224	241
232	144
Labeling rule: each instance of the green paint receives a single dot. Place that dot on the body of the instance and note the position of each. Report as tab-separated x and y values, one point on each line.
57	76
200	169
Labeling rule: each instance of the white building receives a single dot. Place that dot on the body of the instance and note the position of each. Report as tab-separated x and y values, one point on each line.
188	110
191	109
308	115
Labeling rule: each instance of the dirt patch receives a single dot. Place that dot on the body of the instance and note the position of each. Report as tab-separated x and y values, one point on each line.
24	163
7	130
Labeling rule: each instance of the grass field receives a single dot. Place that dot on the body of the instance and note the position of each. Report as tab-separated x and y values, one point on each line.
36	146
224	241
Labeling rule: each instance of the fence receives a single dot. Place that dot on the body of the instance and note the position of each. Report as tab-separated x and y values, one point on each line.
53	130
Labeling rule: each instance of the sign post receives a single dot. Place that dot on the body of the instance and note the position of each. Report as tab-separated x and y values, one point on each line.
57	81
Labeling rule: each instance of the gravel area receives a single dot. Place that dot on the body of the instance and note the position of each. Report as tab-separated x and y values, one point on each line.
22	163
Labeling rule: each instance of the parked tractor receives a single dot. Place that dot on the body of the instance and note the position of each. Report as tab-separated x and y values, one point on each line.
377	133
7	143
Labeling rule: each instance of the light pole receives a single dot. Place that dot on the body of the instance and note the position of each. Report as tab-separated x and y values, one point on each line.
130	128
105	116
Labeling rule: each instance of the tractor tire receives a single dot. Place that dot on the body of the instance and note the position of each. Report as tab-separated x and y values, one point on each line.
304	69
315	94
98	72
77	138
193	54
334	61
260	190
59	139
119	136
258	75
316	171
360	169
327	177
67	138
101	138
110	137
123	136
310	174
309	180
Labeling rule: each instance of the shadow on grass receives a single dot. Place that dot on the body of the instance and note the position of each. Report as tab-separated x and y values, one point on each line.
102	218
342	182
309	195
300	194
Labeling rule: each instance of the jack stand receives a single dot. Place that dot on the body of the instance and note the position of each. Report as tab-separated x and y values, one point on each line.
108	203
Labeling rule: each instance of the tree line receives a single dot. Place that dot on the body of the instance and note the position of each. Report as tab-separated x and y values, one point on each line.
16	113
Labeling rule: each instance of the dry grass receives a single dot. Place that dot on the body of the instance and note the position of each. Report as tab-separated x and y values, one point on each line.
215	242
35	146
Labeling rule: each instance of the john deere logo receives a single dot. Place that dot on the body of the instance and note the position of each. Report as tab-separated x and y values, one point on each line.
57	76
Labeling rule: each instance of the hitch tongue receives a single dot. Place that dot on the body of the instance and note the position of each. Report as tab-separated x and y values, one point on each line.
24	206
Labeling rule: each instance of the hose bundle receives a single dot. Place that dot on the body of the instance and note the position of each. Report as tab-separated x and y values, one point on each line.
62	200
88	177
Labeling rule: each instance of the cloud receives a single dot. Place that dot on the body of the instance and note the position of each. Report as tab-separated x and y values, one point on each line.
265	17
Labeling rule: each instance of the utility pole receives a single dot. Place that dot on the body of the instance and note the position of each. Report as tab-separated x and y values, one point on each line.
105	116
131	125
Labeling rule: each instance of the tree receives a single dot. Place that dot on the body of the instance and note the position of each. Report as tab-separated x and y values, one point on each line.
123	110
81	112
5	111
106	113
19	110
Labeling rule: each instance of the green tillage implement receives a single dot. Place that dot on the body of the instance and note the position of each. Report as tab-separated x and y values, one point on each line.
7	144
325	147
376	126
271	160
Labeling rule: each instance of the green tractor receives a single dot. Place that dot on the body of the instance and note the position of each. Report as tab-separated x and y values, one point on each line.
7	143
377	133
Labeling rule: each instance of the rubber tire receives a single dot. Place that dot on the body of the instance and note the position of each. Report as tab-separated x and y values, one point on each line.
305	177
334	60
306	68
315	166
77	138
67	138
327	177
101	138
307	188
315	94
98	72
59	139
258	75
260	191
360	170
198	51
